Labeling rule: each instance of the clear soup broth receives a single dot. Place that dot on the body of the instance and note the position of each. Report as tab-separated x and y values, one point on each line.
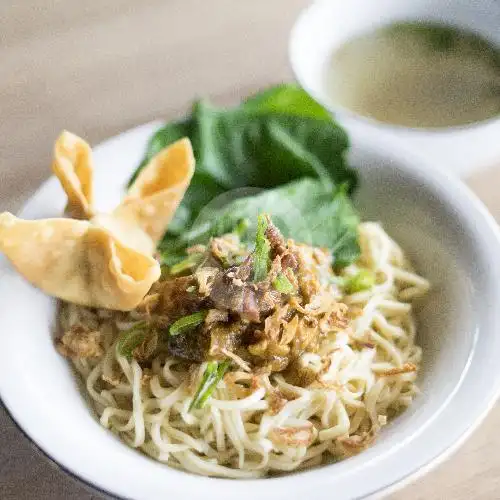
417	75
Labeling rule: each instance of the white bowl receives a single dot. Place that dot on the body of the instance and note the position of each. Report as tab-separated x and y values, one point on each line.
326	25
445	230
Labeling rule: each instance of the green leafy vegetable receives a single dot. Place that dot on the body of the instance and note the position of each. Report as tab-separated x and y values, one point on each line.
187	323
277	136
211	377
289	99
305	210
363	280
261	259
241	228
239	148
131	339
281	141
282	284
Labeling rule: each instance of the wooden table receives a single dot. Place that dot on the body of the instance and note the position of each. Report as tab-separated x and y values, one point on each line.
98	68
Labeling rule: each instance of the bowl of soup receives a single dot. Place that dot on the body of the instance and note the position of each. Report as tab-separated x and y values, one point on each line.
425	72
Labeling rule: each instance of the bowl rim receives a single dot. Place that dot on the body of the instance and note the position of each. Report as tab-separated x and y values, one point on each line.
417	166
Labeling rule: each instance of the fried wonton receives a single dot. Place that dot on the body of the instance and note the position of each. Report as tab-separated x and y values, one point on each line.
126	232
106	260
77	262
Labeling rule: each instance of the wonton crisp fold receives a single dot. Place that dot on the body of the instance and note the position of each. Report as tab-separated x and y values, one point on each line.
152	200
73	167
77	262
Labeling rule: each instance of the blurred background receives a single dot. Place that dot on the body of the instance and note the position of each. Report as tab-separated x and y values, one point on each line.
99	68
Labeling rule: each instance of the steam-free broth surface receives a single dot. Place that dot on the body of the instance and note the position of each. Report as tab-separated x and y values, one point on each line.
418	75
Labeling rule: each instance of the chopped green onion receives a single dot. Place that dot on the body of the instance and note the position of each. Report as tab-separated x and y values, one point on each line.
241	228
282	284
363	280
261	259
336	280
190	261
211	377
131	339
187	323
238	259
169	257
164	271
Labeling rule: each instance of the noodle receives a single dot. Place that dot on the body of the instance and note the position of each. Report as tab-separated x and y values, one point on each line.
365	375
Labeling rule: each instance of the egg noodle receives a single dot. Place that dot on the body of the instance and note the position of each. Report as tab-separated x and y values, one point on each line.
257	424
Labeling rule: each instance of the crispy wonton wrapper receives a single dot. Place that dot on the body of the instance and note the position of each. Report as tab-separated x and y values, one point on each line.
77	262
153	198
72	165
143	216
105	261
